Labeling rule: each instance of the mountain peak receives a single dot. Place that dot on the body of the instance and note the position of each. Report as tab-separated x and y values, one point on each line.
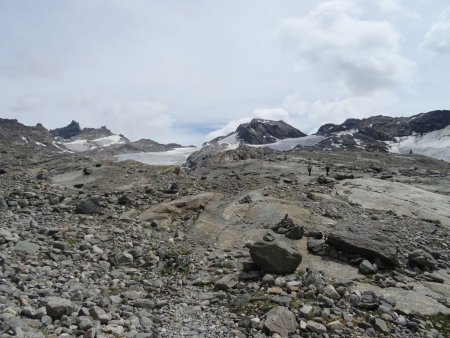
71	130
260	131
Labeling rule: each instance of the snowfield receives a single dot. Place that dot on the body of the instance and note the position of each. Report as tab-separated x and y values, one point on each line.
434	144
176	156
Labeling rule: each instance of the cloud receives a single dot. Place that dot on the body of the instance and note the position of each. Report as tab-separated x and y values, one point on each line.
28	103
334	46
134	118
437	39
261	113
313	114
31	64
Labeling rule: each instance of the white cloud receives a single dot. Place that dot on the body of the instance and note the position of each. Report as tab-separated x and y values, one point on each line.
334	45
28	103
437	39
313	114
133	118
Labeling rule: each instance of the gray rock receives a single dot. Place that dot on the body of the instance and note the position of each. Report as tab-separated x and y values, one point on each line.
89	206
366	242
365	267
57	307
226	282
26	247
315	327
330	292
380	325
422	259
280	320
313	277
124	258
275	257
98	313
3	204
295	233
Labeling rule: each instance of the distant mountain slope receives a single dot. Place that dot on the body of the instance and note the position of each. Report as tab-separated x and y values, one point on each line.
426	134
259	131
73	138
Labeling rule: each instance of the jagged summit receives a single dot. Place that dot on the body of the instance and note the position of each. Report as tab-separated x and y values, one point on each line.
260	131
71	130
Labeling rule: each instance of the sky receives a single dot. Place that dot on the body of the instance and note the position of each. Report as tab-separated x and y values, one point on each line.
187	71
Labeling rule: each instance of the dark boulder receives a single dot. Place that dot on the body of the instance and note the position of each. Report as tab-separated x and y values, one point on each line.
275	257
365	242
89	206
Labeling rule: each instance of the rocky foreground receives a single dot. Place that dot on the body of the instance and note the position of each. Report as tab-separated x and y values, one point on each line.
244	245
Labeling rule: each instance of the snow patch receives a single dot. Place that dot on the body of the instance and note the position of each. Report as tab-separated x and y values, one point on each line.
85	145
434	144
347	132
290	143
24	138
177	156
41	144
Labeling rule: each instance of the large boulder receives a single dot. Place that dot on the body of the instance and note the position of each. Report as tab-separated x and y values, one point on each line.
280	320
275	257
422	259
368	243
89	206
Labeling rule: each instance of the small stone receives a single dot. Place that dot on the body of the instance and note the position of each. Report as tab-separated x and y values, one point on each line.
99	314
334	326
330	292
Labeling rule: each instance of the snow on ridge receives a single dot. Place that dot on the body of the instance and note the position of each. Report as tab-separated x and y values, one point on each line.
290	143
85	145
346	132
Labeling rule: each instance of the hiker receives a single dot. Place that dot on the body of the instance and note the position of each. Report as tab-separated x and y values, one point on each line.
309	169
327	169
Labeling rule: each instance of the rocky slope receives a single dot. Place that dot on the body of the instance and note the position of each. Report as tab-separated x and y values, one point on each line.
426	133
259	131
72	138
245	245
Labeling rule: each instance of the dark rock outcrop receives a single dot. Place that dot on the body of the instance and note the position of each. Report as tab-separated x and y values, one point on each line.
365	243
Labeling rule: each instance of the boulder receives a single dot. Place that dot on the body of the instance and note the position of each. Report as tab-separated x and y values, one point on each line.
275	257
57	307
295	233
365	267
89	206
280	320
422	259
367	243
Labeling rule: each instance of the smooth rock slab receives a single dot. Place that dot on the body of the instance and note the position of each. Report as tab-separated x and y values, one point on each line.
280	320
275	257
